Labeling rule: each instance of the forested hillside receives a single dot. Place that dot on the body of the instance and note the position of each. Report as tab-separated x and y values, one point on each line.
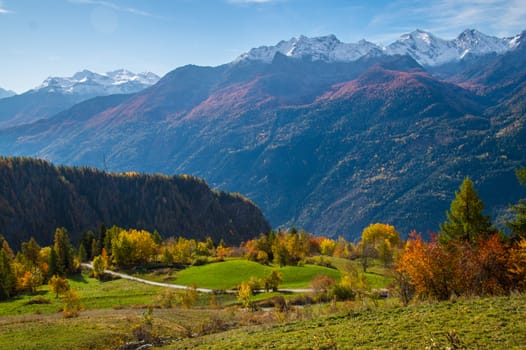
36	197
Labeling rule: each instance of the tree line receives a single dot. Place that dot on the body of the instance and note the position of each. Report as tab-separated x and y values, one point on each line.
36	197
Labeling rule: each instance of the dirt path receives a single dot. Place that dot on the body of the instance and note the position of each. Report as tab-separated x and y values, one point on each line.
152	283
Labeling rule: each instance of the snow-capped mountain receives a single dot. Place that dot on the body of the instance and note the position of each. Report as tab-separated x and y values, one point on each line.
94	84
6	93
472	41
429	50
426	48
324	48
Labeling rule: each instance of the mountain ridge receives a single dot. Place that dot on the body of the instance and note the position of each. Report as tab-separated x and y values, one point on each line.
326	146
424	47
57	94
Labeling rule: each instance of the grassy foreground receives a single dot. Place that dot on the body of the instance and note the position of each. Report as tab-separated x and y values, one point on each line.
489	323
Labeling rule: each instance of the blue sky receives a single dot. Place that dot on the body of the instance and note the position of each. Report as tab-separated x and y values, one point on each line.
41	38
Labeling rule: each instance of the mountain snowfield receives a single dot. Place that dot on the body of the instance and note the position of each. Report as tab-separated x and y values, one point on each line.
426	48
89	83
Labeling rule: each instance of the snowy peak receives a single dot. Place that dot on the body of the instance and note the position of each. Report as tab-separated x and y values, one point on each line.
94	84
472	41
6	93
426	48
325	48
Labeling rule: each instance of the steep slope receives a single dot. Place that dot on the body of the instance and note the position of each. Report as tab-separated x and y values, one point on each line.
36	197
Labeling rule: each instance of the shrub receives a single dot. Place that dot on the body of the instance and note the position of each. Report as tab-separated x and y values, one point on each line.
71	304
342	292
272	281
58	285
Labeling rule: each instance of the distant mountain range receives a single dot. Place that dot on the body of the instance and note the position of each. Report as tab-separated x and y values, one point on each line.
323	135
424	47
56	94
6	93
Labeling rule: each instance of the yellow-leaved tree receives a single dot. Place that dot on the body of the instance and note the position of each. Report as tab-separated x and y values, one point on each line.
130	247
379	241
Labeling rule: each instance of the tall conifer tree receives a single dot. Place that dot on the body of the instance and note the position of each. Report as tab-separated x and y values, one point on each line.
466	221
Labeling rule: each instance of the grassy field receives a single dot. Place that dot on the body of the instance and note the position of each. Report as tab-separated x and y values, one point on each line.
490	323
93	294
112	309
230	273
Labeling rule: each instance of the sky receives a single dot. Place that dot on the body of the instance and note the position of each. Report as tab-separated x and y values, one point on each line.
42	38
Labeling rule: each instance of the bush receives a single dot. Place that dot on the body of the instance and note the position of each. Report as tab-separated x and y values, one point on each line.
342	292
71	304
200	260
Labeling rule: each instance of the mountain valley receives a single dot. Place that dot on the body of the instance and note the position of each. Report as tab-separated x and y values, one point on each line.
322	135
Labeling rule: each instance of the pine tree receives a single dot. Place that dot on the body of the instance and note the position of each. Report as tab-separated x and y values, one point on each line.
466	221
518	225
64	252
7	275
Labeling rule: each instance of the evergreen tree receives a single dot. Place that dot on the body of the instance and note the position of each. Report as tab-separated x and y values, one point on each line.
31	252
64	252
82	254
518	225
53	264
7	275
465	219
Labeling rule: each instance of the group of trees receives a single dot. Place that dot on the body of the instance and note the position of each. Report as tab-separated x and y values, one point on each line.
468	257
82	198
290	247
33	265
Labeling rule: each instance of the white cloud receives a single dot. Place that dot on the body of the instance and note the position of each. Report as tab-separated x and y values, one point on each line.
3	10
447	18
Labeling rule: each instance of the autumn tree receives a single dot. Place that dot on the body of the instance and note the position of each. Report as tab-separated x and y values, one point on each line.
132	246
58	285
440	270
465	220
244	294
99	265
517	264
429	267
379	240
72	304
30	280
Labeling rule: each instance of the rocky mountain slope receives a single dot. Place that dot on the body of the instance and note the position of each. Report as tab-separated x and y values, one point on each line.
330	145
